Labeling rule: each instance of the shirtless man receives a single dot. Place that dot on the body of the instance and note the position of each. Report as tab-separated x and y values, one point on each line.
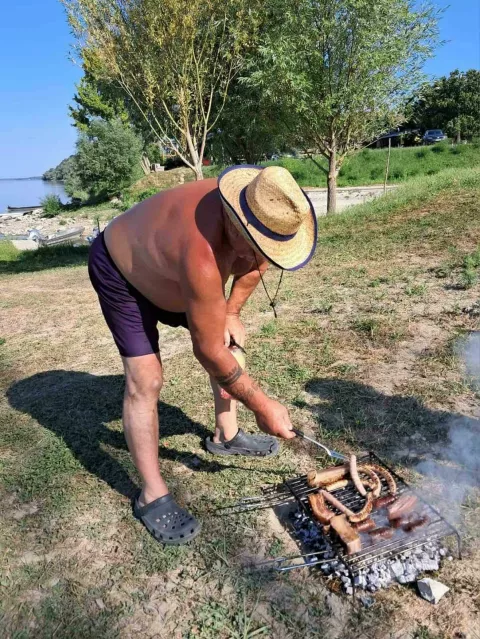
167	260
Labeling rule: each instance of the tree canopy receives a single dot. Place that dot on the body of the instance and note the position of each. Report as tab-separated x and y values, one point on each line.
343	70
451	103
107	160
174	61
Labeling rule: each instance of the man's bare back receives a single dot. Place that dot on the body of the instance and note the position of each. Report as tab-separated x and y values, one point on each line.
150	243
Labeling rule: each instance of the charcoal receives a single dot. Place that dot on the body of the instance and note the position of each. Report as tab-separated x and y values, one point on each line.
442	552
349	590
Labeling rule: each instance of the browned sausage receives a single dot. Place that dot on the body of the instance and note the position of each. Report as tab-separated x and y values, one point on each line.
365	526
381	502
365	512
320	509
320	478
415	522
391	483
402	506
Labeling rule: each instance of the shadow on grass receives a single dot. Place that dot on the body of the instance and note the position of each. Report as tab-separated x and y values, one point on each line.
77	407
43	258
390	424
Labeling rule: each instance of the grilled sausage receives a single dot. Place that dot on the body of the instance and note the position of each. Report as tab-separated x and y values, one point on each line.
383	472
365	526
365	512
374	483
415	521
402	506
355	476
321	478
381	502
320	509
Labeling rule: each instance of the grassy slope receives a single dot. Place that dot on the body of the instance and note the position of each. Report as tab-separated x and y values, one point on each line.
368	166
362	353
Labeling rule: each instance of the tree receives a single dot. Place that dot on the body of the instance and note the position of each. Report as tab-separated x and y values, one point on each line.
107	160
96	99
59	172
451	103
344	69
173	60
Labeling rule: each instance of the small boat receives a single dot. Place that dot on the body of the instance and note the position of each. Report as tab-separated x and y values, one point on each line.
21	209
62	237
35	239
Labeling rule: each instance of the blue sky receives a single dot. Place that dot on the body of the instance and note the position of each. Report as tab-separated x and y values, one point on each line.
37	80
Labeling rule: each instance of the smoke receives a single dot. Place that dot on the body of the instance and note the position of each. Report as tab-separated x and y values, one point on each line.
455	465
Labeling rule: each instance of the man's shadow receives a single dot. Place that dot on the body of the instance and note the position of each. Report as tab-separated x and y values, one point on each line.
390	424
77	407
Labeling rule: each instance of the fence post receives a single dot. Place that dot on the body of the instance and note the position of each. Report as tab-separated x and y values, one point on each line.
388	165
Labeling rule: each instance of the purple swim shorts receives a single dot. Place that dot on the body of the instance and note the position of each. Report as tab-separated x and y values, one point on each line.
131	318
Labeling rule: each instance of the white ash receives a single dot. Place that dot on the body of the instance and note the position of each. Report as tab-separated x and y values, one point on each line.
405	568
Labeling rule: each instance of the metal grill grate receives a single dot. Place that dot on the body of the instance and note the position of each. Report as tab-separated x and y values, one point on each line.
297	489
437	527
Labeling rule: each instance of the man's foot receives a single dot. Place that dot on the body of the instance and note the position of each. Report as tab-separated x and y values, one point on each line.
244	444
167	521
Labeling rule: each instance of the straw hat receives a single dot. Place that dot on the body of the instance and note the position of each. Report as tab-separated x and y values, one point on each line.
272	212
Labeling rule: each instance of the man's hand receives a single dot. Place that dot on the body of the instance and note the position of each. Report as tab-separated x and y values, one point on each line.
274	420
234	328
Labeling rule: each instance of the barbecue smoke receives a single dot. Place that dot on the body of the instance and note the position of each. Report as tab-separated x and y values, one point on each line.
455	464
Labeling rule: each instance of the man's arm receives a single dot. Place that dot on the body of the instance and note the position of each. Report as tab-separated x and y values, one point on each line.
202	287
242	287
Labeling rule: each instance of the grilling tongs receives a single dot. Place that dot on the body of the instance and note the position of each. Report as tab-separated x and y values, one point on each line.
331	453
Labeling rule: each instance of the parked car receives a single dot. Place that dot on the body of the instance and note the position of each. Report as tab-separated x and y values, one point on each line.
432	136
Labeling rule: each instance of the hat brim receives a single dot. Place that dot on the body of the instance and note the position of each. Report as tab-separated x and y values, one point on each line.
288	254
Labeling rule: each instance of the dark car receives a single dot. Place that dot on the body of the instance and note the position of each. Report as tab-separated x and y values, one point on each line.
434	135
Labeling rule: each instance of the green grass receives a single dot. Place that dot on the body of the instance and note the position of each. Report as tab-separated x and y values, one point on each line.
14	261
368	166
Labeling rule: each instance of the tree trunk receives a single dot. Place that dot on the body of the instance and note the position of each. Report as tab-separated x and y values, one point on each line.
332	183
198	171
145	165
459	136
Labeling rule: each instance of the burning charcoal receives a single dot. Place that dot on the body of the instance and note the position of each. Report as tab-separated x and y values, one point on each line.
337	573
442	552
349	590
346	581
371	588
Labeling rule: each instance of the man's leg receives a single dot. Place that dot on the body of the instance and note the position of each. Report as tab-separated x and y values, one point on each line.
143	382
225	416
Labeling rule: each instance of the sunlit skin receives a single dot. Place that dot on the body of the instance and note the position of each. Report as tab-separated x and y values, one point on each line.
178	249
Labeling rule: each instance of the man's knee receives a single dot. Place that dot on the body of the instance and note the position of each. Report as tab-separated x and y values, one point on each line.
145	387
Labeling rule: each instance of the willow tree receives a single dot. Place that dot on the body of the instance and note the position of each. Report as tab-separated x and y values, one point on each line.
174	60
345	68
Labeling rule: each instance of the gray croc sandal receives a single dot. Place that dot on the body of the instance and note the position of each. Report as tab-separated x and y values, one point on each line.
167	521
245	444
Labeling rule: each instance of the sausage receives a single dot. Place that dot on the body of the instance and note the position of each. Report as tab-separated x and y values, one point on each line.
381	502
380	534
374	484
341	483
355	476
391	483
415	521
321	478
337	504
365	512
365	526
402	506
320	509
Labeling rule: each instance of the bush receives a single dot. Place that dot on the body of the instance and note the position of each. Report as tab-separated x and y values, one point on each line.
107	160
51	205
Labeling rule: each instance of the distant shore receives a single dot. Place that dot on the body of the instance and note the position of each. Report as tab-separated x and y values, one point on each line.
17	179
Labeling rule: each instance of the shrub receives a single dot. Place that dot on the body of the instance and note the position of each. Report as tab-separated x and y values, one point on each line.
107	160
439	148
51	205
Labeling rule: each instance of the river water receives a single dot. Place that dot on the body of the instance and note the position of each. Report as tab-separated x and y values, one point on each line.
28	192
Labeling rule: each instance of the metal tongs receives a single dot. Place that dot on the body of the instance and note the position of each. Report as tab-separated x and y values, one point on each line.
331	453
